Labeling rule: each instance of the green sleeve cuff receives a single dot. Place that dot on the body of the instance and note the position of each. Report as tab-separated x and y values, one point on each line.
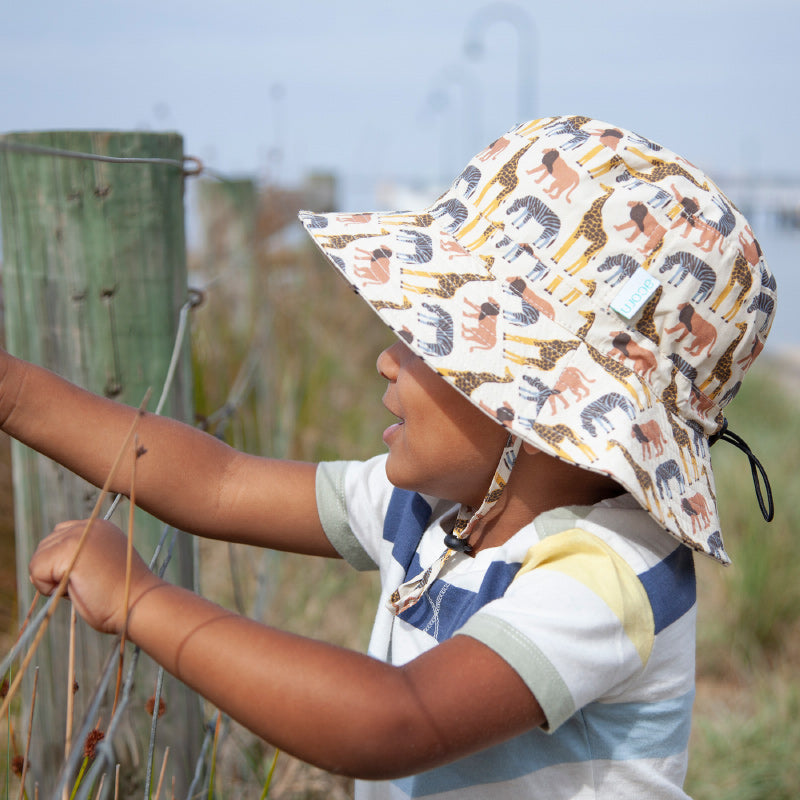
528	661
332	510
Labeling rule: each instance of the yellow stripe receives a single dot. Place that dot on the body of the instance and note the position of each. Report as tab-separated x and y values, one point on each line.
588	559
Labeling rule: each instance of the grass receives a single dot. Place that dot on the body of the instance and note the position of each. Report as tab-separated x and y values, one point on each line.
745	746
759	594
747	728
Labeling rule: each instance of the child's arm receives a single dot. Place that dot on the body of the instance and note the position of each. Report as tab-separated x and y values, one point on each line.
186	478
340	710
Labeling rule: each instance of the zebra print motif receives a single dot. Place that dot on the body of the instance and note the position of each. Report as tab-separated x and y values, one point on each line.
442	322
597	410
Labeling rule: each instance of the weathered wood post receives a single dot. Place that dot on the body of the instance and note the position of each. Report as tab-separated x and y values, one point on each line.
94	277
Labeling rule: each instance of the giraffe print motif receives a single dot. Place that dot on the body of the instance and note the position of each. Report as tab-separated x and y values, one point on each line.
740	276
661	169
669	399
340	241
554	435
467	382
590	228
445	284
550	351
619	372
642	476
723	368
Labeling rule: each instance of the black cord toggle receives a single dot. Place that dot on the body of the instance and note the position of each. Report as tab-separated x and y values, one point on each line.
767	510
454	543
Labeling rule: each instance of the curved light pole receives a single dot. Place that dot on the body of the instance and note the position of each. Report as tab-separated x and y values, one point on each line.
460	138
471	108
523	26
437	103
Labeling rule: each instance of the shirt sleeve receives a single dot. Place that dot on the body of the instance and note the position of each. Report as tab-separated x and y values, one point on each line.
575	623
352	497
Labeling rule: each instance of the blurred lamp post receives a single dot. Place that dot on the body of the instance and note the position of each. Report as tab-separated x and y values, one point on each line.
523	26
438	102
471	110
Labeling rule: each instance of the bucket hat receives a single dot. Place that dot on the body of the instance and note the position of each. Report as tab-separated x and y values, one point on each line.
589	289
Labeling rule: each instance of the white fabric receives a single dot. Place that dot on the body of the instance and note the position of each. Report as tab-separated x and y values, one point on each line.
617	691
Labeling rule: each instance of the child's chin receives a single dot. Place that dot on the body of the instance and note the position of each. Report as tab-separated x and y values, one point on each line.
398	476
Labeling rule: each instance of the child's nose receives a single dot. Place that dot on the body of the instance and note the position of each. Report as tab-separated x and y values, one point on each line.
388	361
382	364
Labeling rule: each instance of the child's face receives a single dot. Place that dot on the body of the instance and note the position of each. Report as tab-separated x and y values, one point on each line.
443	445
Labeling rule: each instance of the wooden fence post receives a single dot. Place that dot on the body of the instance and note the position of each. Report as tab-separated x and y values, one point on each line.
94	277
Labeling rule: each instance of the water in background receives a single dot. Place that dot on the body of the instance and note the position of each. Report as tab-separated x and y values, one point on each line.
780	244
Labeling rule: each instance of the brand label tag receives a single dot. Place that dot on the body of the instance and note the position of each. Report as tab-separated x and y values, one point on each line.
635	292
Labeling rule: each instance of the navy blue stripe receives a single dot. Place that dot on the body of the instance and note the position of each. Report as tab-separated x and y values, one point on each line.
406	519
445	608
671	587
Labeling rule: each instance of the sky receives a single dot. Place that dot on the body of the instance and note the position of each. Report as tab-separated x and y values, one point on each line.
387	94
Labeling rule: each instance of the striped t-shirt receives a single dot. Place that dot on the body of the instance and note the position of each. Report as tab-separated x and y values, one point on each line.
593	606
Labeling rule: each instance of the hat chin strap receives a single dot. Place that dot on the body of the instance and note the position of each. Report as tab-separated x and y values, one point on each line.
409	593
756	468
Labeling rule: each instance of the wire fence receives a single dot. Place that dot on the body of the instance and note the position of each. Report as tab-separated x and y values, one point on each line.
236	397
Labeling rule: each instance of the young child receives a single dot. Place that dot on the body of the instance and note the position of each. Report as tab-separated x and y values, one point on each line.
573	315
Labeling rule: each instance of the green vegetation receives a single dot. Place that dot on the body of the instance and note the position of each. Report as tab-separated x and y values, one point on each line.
747	728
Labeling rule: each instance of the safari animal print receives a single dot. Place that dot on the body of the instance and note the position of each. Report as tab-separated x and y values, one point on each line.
591	290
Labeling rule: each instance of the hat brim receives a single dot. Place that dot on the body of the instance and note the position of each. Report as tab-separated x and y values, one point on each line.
590	290
556	389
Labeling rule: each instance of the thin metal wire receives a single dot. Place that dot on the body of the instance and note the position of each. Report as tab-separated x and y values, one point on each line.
105	752
241	384
70	763
27	635
198	769
195	299
35	149
153	726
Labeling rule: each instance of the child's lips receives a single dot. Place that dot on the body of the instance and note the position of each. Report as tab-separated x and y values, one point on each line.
390	432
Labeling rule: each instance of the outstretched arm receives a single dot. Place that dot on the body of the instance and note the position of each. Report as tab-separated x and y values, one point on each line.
337	709
186	478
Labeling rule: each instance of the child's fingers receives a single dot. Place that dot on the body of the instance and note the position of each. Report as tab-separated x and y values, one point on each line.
96	577
52	556
44	586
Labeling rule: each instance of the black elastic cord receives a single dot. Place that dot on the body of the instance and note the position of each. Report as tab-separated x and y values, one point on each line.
454	543
768	511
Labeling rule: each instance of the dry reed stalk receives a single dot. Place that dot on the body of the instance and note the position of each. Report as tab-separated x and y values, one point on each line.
28	740
70	689
62	586
214	756
163	770
100	787
128	562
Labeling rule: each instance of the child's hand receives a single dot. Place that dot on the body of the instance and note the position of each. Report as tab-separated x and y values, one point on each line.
97	582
